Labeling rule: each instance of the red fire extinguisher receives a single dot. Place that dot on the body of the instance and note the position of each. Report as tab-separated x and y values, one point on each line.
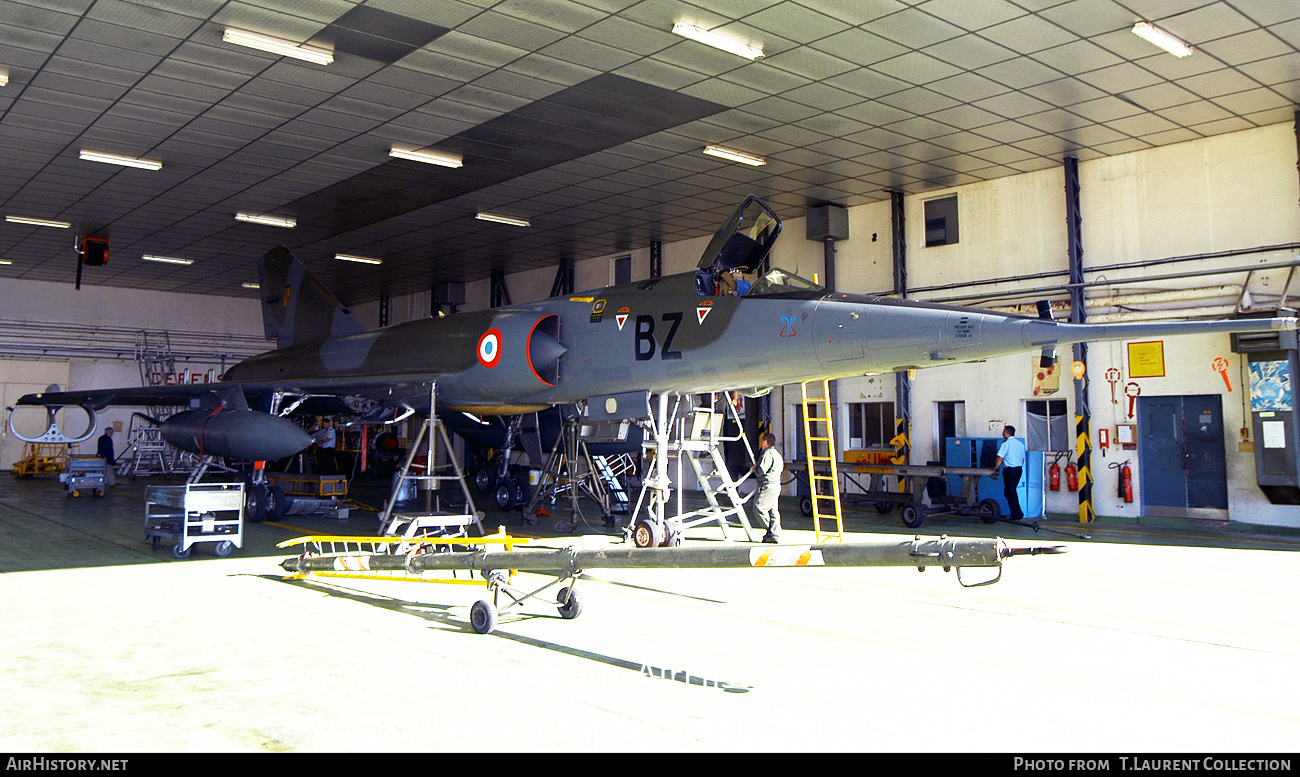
1125	481
1072	477
1054	476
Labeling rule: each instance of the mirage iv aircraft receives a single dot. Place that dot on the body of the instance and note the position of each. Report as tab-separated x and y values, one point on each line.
732	324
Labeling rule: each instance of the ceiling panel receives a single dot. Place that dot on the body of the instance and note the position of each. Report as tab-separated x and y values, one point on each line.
587	118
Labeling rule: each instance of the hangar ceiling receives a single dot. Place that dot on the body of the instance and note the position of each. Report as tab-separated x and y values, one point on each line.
585	117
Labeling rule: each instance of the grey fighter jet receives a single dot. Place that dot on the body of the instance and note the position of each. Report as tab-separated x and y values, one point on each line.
735	323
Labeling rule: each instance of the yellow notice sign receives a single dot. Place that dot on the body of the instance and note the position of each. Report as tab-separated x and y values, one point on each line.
1146	359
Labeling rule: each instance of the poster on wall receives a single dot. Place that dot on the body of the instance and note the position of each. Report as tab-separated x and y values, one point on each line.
1270	386
1146	359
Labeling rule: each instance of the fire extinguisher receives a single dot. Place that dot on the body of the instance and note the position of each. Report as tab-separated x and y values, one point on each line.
1125	481
1054	475
1072	477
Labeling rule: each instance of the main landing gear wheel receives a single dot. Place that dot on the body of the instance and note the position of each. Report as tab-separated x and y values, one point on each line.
508	493
647	534
911	516
570	603
485	480
989	511
483	617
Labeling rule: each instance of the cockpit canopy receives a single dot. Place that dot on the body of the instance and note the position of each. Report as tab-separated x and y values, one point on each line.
735	263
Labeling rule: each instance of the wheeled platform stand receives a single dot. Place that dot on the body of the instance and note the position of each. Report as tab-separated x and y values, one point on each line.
672	438
194	513
85	475
913	510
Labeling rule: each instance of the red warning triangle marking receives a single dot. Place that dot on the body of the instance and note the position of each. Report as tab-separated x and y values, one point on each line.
702	312
621	318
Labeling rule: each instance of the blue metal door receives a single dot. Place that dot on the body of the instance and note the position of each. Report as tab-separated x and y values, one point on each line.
1181	462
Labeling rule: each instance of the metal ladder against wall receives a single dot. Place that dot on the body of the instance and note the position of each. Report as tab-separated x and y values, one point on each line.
823	475
150	453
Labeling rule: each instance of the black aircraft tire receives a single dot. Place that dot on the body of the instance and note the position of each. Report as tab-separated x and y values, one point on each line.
276	503
989	511
573	607
505	495
254	502
912	517
485	480
483	617
646	534
805	506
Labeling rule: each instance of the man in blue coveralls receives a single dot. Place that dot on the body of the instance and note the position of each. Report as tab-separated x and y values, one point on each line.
1011	461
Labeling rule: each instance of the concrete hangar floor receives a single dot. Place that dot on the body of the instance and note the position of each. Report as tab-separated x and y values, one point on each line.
1144	638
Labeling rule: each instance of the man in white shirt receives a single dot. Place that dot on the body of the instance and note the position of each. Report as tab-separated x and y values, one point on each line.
323	438
1011	461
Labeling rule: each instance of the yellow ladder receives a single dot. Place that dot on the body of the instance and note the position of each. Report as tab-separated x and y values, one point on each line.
823	476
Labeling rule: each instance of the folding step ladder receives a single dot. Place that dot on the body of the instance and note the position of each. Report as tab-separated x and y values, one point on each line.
823	476
610	468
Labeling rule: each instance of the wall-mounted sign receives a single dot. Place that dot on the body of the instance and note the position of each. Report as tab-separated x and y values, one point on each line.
1146	359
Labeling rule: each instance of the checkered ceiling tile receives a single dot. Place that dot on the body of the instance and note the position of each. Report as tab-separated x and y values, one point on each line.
586	117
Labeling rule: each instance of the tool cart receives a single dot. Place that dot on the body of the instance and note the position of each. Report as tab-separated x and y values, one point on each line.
193	513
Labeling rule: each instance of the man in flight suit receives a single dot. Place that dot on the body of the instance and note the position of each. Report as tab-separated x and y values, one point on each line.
768	469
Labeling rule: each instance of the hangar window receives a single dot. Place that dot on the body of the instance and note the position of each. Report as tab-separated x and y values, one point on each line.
1047	427
871	424
941	221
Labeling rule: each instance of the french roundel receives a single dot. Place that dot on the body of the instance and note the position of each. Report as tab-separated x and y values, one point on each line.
489	348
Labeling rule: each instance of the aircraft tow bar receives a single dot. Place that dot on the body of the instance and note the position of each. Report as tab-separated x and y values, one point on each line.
567	564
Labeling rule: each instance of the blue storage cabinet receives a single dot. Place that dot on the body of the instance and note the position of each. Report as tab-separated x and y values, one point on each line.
983	452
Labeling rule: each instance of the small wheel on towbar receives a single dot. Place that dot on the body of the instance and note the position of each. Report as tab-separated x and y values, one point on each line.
483	617
570	604
990	511
884	507
647	534
805	506
911	516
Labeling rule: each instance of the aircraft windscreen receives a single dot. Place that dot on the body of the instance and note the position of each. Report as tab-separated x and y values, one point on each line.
778	281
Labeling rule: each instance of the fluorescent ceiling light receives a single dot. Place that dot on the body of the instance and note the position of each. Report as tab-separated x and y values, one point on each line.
1164	40
735	156
5	261
361	259
503	220
166	259
37	222
717	41
4	78
251	285
116	159
277	46
428	157
271	221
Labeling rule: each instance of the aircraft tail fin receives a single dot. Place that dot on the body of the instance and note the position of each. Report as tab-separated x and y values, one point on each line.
296	308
